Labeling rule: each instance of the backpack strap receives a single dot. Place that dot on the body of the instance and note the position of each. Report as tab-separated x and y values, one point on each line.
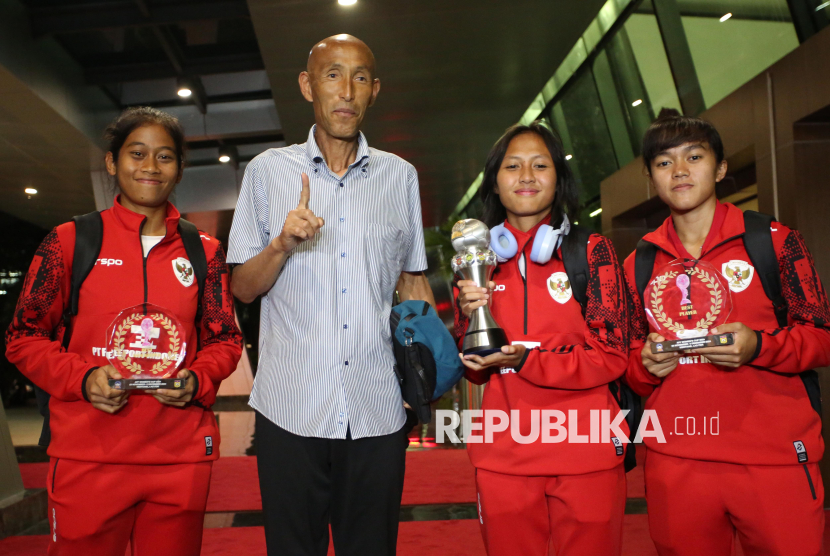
89	236
759	247
575	259
196	254
644	264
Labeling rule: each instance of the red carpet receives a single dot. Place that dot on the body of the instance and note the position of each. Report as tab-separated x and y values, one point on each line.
234	485
418	538
432	477
415	538
34	474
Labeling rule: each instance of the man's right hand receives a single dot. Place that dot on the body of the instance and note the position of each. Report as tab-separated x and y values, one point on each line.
658	364
99	393
301	224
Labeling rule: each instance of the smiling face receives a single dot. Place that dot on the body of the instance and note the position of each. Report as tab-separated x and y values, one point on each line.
340	82
685	176
526	181
147	167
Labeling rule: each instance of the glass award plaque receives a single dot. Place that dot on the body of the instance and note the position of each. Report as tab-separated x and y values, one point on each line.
146	344
684	302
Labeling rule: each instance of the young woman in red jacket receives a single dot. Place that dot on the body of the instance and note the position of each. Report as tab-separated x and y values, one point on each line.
544	480
742	424
128	466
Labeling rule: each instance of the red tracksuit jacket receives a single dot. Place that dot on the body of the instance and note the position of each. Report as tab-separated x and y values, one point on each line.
144	431
570	368
762	407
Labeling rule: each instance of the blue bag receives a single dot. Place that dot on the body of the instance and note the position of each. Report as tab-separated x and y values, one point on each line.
427	356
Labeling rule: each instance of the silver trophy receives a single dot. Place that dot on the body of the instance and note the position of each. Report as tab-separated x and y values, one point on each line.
474	260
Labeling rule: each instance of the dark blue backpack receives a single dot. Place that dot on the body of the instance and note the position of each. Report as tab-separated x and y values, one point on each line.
426	353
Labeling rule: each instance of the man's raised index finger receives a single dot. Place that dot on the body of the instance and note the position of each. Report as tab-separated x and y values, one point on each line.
305	194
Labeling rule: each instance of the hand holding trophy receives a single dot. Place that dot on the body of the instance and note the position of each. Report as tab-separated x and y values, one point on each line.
474	260
684	302
146	344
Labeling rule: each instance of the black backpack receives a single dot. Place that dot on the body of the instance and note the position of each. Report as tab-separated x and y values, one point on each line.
575	258
758	244
89	236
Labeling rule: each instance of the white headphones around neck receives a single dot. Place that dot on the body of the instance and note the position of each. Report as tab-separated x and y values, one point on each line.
546	242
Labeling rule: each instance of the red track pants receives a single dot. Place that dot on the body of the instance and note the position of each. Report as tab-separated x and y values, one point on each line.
576	514
697	507
97	508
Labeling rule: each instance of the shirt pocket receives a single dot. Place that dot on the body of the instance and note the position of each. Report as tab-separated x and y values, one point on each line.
383	247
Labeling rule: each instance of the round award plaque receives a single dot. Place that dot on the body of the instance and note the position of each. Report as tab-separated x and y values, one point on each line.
684	301
146	344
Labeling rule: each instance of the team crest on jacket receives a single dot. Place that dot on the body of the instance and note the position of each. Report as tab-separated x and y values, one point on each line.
559	287
183	270
739	274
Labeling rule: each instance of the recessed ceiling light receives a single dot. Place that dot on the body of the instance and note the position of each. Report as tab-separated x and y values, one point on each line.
725	17
347	2
224	159
599	210
184	92
30	191
568	156
637	102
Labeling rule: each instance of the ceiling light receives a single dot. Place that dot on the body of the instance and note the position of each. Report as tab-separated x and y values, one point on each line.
229	155
637	102
822	6
347	2
576	223
30	191
599	210
725	17
568	156
184	92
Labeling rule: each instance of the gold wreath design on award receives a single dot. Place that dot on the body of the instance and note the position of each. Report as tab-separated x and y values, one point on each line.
693	291
146	345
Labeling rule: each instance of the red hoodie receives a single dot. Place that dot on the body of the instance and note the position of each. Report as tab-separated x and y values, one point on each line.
761	408
575	358
144	431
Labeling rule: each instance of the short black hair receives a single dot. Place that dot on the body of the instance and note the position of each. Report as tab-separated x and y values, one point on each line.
566	199
133	118
671	129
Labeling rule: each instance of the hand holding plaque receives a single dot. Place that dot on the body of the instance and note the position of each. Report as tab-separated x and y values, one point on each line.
684	302
146	344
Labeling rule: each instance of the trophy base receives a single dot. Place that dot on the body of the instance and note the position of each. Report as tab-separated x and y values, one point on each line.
484	342
147	383
715	340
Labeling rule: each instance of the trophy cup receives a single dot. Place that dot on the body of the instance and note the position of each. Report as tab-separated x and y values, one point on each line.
684	301
474	260
146	344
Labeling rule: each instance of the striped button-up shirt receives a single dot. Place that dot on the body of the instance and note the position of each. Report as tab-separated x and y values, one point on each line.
325	353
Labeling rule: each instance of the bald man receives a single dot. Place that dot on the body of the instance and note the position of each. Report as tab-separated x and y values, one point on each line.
324	232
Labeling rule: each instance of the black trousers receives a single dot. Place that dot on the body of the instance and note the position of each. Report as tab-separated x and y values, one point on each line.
308	483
